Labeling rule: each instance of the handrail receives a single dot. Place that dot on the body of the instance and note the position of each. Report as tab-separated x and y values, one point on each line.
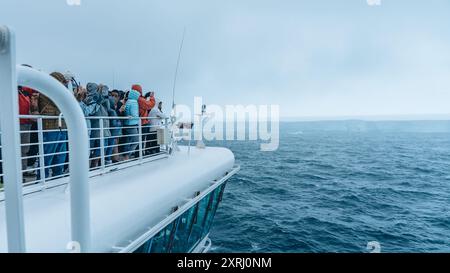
78	145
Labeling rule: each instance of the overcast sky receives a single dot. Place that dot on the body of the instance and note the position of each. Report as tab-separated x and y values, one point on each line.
312	57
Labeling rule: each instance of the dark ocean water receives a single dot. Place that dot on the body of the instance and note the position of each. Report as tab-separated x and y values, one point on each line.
335	191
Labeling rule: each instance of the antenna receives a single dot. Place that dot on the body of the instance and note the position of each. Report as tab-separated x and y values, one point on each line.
176	70
114	79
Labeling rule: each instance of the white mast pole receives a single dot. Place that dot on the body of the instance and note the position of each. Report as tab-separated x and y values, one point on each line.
176	70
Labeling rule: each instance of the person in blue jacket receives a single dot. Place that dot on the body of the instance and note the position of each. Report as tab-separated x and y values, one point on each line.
131	129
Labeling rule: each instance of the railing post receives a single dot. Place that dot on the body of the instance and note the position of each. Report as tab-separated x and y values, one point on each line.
102	145
11	150
166	125
141	154
41	151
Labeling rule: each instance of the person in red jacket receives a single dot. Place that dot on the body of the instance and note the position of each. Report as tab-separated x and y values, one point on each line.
146	104
25	124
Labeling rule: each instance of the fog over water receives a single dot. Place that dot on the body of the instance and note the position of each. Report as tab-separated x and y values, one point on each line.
314	58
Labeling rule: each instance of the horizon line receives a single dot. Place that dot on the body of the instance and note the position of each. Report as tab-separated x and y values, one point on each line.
393	117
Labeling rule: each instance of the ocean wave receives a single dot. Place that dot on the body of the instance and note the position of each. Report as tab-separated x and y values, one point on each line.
335	192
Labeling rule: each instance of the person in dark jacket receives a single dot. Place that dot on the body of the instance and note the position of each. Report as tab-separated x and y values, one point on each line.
116	131
116	99
34	136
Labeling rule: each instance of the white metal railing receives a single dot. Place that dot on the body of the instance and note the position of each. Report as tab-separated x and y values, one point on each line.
45	151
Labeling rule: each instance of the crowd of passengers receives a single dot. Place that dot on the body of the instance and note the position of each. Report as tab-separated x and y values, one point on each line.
97	101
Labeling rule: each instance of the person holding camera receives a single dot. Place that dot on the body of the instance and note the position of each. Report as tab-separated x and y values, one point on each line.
146	103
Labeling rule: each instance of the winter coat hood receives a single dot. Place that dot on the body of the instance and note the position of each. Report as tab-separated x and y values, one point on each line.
134	95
